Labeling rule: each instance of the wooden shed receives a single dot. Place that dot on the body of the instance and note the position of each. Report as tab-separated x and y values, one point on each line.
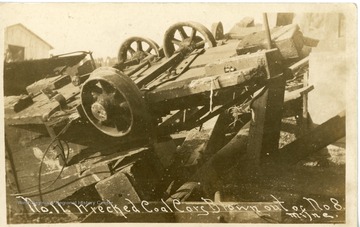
23	44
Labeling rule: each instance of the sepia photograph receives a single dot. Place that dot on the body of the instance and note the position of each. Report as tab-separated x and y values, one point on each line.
179	113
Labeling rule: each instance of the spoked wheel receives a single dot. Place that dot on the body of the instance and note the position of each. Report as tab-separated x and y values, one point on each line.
137	48
187	36
112	102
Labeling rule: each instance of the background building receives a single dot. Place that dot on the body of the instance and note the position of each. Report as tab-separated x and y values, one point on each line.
23	44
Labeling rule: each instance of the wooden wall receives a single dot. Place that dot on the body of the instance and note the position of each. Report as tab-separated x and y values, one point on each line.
35	47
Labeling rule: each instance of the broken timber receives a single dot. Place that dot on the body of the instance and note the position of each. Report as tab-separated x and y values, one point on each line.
209	174
323	135
288	39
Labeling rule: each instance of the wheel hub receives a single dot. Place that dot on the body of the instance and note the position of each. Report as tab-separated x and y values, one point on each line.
190	44
99	111
101	108
139	55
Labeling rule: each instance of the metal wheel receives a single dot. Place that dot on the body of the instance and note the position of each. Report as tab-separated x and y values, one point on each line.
137	48
112	102
217	30
187	36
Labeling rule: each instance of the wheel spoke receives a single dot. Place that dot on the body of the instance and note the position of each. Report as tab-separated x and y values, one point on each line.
111	124
148	50
94	87
176	41
131	51
119	99
107	88
139	45
92	92
193	34
125	109
121	122
182	33
199	44
88	98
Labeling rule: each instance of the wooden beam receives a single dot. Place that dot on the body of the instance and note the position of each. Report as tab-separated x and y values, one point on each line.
212	171
193	86
204	114
158	70
323	135
217	136
266	122
288	39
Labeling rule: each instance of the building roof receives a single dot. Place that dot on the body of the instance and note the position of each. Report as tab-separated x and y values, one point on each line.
21	25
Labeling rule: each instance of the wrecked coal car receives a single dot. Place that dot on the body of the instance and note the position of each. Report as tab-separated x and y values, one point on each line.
121	138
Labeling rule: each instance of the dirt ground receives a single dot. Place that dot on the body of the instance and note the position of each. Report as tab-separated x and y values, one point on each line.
321	176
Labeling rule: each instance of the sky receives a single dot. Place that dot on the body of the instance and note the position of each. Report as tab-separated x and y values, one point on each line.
102	28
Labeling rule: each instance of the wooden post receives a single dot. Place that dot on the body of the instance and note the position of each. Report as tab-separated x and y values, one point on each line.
266	121
267	111
304	118
267	31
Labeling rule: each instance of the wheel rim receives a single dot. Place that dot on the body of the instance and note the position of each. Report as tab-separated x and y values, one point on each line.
106	107
187	36
217	30
137	48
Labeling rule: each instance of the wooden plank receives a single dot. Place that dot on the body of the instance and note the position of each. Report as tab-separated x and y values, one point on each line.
156	71
32	115
296	66
117	188
53	83
266	121
203	84
192	149
75	177
241	32
287	39
326	133
177	72
267	112
235	63
15	104
298	93
226	50
217	136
